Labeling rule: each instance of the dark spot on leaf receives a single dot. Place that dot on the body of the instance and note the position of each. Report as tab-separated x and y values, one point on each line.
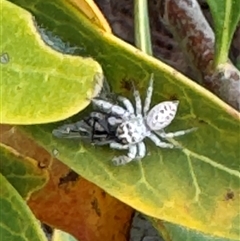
202	121
70	177
173	97
229	195
95	207
44	163
103	194
126	84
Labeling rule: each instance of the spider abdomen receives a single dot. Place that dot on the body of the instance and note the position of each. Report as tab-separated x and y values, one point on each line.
161	115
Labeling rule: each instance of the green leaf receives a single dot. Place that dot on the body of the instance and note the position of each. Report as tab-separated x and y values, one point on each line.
178	233
188	187
17	221
59	235
226	16
21	171
142	28
40	85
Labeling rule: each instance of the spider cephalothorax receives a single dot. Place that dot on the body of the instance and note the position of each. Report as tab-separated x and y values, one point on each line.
140	123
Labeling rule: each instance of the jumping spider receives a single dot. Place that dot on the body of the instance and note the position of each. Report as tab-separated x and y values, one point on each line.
125	128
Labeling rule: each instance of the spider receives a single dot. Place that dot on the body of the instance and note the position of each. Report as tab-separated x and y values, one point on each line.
133	126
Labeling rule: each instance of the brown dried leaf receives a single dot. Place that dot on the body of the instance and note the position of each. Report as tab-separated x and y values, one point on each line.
70	202
73	204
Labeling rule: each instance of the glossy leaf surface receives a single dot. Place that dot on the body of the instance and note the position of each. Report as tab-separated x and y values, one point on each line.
193	182
21	171
23	226
38	84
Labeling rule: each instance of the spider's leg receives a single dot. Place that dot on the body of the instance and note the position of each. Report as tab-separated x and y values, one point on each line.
174	134
109	108
101	140
159	143
118	146
97	115
98	124
77	130
141	150
138	101
113	121
148	96
127	103
95	126
122	160
98	121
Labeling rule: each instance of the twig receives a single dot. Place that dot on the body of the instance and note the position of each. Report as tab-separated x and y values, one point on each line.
189	26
